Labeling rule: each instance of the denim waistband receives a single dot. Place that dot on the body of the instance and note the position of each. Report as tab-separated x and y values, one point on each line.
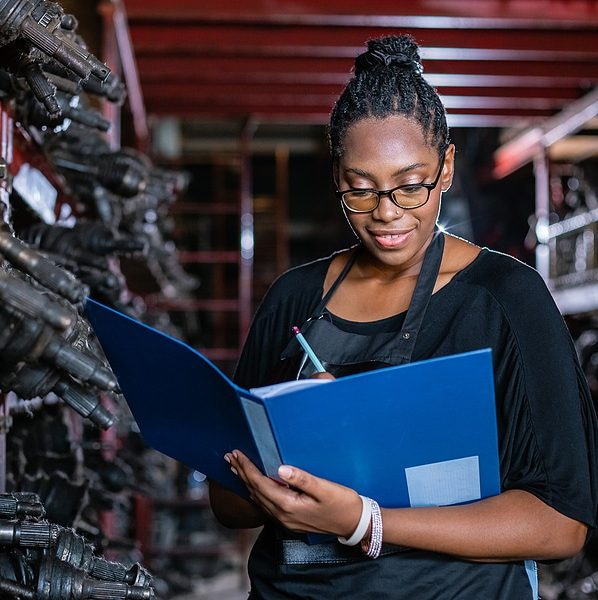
297	552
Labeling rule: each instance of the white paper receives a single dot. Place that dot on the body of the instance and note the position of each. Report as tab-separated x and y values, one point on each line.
444	483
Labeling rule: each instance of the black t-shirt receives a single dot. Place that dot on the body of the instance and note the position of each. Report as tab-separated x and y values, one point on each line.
548	436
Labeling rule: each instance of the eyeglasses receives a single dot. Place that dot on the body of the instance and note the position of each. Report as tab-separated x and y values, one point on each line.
411	195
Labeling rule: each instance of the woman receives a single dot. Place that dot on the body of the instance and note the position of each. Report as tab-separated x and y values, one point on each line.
408	292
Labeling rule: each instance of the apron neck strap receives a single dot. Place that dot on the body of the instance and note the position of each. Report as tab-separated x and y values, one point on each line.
419	301
421	297
324	301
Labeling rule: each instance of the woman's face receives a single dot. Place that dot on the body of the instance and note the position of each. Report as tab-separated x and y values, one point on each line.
382	154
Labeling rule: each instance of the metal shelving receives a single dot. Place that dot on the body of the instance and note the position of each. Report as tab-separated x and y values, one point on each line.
579	299
556	139
213	229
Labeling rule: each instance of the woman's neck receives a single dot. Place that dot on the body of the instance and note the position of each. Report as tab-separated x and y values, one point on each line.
367	266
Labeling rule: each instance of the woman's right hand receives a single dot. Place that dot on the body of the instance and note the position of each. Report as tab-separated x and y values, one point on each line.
232	510
322	375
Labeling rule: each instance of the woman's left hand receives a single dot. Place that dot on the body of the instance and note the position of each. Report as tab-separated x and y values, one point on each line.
310	504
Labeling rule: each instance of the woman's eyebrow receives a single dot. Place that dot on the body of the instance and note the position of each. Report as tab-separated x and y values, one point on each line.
401	171
359	172
410	167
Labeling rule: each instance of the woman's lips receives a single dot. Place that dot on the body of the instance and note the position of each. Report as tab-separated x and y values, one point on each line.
391	239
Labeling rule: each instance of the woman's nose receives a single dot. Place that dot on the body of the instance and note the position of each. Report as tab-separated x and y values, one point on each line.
387	210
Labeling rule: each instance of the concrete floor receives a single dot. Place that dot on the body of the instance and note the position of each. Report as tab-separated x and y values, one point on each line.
232	583
228	586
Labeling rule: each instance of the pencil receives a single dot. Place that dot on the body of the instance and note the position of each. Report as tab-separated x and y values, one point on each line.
308	350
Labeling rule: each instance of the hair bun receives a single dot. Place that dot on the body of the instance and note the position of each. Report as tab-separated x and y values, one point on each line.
392	51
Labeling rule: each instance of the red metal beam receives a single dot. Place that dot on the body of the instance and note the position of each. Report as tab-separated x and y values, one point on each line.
541	85
460	53
289	116
462	14
513	112
436	79
115	14
289	57
187	66
186	89
475	103
220	98
517	81
110	56
235	107
264	103
186	36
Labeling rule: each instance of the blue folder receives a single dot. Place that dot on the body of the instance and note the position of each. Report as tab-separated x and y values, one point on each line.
413	435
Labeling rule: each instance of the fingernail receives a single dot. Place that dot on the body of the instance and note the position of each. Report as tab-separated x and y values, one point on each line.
235	454
234	471
285	472
227	458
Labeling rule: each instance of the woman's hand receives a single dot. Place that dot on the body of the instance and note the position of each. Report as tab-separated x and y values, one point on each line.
322	375
305	504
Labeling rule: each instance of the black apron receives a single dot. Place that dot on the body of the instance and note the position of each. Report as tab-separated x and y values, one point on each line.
283	567
343	353
279	559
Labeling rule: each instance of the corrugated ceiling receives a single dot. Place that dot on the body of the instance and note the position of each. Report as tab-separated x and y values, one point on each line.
495	62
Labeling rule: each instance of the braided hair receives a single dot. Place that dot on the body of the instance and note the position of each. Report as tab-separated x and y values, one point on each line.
388	81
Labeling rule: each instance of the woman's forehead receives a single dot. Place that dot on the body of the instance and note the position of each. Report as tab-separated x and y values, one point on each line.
390	139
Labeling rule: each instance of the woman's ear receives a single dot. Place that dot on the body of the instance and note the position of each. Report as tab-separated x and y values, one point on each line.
446	179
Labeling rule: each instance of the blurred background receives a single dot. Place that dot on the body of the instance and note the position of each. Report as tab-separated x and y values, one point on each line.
170	159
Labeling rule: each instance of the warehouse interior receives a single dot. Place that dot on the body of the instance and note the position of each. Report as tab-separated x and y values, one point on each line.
170	160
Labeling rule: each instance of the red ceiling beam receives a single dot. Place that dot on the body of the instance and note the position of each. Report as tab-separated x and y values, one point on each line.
526	105
462	14
502	60
540	84
491	120
187	66
516	112
322	116
516	80
461	53
264	103
298	91
185	36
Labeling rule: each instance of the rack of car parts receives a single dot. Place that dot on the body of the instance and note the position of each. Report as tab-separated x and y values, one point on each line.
79	217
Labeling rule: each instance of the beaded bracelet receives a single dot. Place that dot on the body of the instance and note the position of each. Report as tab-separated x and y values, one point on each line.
373	546
362	525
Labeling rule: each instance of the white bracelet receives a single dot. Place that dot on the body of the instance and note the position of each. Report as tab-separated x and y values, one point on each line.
362	526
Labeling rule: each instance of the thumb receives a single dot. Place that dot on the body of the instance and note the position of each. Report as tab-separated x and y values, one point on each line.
299	479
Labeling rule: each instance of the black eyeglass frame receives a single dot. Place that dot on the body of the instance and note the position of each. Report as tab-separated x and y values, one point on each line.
379	193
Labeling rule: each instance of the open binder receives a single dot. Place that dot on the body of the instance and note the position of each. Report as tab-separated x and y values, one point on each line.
419	434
